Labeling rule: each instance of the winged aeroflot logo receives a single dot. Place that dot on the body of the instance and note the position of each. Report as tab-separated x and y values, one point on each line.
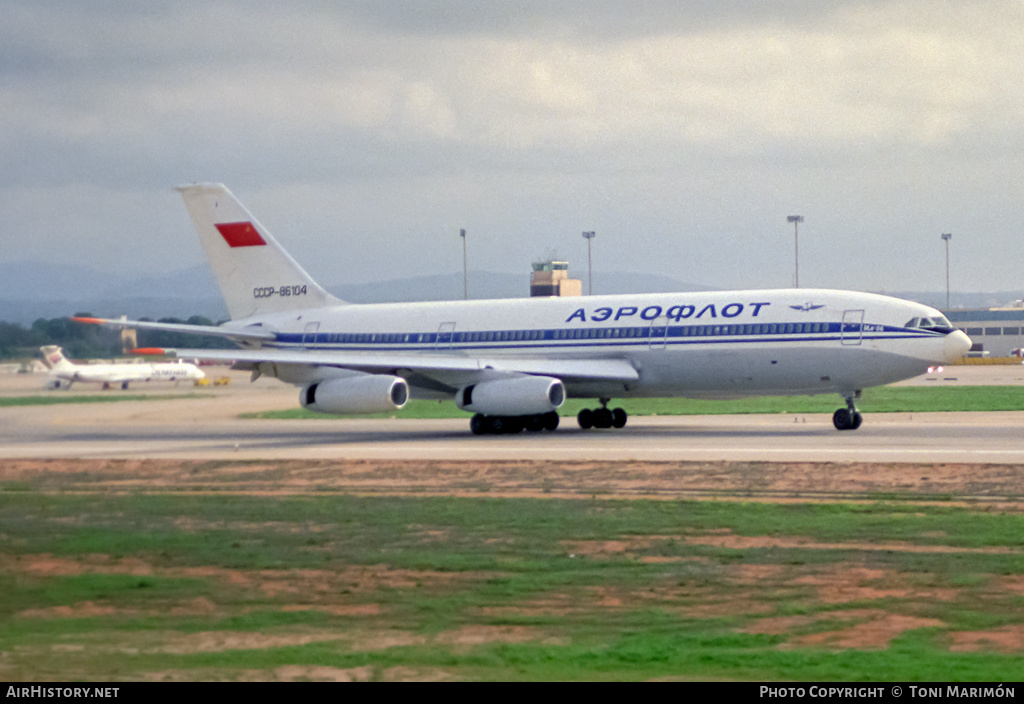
807	307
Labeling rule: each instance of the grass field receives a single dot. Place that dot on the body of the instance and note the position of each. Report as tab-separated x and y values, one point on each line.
885	399
209	586
259	571
56	400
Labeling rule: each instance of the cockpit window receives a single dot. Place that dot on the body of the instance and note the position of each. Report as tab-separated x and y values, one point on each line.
936	323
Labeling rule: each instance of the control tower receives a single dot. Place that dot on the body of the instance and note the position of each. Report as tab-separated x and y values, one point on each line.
551	278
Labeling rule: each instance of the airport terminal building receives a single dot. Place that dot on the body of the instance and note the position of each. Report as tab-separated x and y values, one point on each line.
997	331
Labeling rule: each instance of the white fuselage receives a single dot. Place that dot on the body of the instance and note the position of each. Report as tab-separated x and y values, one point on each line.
706	344
125	373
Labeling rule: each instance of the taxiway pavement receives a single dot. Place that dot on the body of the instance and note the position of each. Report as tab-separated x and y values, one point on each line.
205	425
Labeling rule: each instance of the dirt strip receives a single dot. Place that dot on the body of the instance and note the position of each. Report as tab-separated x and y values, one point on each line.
766	481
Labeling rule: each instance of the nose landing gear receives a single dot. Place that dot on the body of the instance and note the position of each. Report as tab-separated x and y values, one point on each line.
848	418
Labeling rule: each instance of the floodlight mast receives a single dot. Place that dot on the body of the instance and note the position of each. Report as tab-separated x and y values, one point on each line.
465	273
588	236
796	220
947	236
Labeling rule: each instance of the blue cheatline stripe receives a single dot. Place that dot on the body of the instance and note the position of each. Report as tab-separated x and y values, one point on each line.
597	338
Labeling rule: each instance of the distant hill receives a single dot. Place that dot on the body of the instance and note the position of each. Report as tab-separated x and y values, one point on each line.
489	284
26	280
31	290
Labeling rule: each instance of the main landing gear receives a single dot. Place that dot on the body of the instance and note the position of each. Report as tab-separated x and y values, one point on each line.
510	425
602	417
848	418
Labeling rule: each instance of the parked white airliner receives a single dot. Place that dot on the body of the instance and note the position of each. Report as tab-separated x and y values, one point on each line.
64	373
513	362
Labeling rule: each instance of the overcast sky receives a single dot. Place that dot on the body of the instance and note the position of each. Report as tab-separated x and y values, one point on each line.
364	134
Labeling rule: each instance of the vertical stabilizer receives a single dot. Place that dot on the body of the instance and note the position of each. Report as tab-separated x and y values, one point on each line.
53	357
254	273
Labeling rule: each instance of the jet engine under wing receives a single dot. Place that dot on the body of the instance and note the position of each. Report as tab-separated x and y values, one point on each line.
375	362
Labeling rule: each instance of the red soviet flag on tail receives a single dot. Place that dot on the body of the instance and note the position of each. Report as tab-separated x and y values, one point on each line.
240	234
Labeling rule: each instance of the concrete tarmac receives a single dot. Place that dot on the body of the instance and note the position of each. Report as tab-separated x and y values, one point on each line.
204	424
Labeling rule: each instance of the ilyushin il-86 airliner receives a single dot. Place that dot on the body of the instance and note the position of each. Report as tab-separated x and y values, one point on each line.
513	362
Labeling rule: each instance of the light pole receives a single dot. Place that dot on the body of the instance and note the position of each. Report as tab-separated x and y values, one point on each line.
796	220
465	273
590	267
947	237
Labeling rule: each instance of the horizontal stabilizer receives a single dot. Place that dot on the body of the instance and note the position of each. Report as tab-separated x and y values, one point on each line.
251	332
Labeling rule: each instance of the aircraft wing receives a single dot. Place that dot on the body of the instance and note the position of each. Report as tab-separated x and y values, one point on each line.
426	364
450	370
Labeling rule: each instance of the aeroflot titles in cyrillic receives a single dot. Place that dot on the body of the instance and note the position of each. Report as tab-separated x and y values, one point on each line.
676	313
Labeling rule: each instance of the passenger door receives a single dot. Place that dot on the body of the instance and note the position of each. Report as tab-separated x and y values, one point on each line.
309	335
853	327
659	333
445	336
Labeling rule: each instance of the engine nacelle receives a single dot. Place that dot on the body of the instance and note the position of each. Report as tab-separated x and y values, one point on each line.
367	393
520	396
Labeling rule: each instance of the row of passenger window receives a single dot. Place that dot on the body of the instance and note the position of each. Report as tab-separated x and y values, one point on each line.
575	334
692	331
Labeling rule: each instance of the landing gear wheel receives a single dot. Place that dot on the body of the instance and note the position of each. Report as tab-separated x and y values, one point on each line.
535	424
602	418
841	419
847	419
550	420
506	425
585	418
619	418
481	424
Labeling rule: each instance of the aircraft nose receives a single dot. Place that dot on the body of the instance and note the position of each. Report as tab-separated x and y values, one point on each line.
955	346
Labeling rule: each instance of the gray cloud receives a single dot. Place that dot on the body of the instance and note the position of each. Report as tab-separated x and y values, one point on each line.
683	132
